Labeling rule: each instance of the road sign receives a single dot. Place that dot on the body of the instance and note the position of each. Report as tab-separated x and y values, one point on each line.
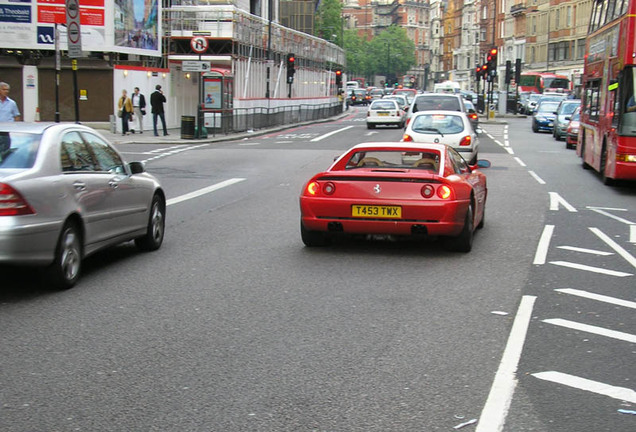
195	66
73	29
199	44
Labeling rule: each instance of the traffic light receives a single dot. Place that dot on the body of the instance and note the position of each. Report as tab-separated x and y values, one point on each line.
478	73
508	77
291	68
338	78
484	70
518	71
492	61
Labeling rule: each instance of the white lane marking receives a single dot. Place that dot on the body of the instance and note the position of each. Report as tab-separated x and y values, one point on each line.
142	153
179	149
556	199
627	337
520	162
604	213
493	416
620	393
544	242
203	191
163	149
283	142
590	269
509	150
611	243
371	133
322	137
536	177
632	234
250	144
583	250
598	297
499	142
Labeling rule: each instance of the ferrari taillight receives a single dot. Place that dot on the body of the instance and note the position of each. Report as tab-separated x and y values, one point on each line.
313	188
329	188
427	191
12	203
473	116
444	192
466	141
407	138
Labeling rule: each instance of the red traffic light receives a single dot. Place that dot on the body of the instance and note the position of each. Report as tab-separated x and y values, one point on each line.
338	72
493	52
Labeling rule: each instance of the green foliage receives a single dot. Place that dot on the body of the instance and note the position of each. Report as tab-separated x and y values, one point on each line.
356	53
391	51
328	21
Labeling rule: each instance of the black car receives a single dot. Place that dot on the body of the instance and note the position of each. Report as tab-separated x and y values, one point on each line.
359	97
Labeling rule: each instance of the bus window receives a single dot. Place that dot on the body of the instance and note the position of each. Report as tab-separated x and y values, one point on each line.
592	103
628	119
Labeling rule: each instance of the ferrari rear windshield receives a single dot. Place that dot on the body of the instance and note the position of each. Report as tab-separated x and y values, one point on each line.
423	160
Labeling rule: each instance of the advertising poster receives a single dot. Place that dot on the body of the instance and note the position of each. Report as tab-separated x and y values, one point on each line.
212	93
125	26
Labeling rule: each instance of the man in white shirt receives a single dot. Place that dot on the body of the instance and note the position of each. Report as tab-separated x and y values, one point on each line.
8	108
139	109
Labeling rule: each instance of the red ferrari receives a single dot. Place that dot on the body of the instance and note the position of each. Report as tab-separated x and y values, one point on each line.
400	189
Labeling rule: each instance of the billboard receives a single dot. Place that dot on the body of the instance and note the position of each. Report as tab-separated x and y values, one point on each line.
125	26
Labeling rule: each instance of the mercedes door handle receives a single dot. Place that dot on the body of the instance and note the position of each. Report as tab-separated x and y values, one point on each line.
80	186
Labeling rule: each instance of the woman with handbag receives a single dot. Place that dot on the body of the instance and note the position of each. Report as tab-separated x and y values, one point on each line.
125	107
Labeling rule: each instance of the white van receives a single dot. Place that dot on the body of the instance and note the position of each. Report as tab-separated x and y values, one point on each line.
353	84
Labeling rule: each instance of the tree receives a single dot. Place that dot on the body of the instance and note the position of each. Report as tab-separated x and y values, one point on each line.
391	52
356	53
328	21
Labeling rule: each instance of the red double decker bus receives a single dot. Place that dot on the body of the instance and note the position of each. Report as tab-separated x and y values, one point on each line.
607	133
539	82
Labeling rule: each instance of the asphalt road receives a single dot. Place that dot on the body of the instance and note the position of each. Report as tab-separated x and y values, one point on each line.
233	325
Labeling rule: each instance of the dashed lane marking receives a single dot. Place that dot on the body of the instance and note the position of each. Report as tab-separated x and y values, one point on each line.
544	243
627	337
620	393
556	199
611	243
584	250
203	191
590	268
598	297
536	177
322	137
493	416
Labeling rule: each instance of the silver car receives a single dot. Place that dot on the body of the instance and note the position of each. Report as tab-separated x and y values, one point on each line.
444	127
66	193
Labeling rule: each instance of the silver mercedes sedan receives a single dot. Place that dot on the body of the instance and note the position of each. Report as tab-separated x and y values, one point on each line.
65	193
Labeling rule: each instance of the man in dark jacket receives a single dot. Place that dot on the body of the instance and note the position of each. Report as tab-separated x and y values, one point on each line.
157	99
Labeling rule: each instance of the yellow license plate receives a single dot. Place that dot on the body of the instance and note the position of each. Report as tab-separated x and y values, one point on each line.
383	114
368	211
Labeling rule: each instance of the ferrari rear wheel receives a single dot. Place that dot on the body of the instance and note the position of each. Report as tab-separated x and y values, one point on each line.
313	238
464	241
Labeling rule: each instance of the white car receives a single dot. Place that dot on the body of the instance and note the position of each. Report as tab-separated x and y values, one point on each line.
387	112
444	127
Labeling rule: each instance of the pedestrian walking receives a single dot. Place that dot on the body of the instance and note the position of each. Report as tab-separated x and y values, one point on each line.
157	99
8	108
139	109
125	111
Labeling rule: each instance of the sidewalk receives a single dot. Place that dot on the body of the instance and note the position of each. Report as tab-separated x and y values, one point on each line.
174	135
